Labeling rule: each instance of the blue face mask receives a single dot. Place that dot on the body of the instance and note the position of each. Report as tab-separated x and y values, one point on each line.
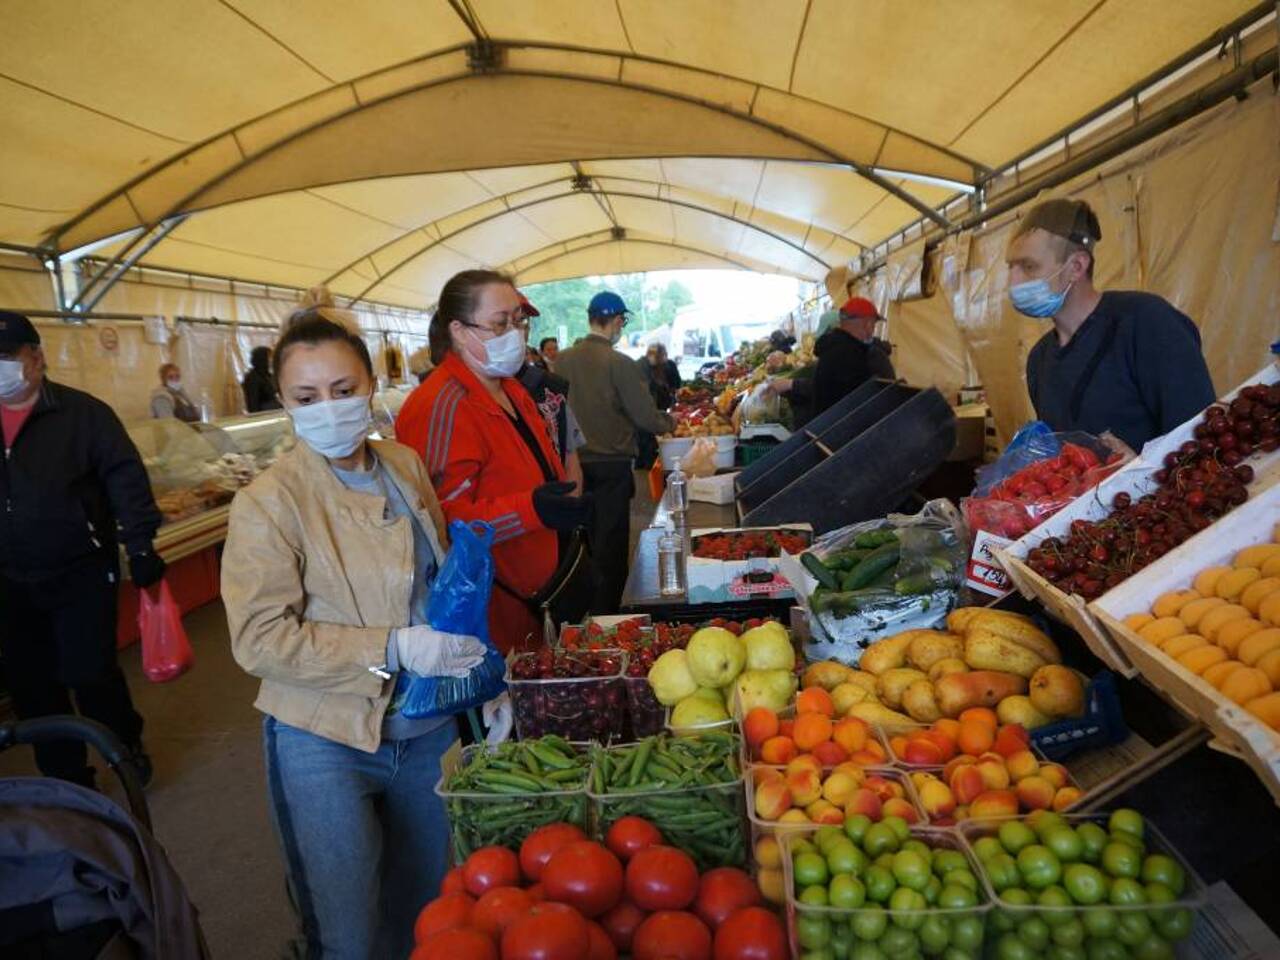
1035	298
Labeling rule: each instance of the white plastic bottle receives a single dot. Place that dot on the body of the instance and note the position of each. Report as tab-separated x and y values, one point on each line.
670	563
677	490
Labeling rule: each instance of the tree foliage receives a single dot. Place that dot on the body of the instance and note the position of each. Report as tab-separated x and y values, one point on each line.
565	302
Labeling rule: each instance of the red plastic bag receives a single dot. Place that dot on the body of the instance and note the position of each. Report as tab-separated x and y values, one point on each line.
166	652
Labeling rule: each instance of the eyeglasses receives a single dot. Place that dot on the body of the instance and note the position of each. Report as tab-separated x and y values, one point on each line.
503	324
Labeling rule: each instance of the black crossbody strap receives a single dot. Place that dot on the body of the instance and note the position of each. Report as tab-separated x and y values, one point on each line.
1091	368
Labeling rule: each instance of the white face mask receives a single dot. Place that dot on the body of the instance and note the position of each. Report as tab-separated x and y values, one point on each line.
504	355
333	428
174	385
12	381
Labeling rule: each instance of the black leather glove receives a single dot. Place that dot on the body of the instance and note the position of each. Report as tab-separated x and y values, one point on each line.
146	569
559	511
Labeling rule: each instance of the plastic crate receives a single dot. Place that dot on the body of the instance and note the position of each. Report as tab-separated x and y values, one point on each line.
507	817
1005	920
576	708
706	820
761	827
1102	724
749	451
963	928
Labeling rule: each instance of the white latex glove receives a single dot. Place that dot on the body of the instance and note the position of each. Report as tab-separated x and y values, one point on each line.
432	653
498	718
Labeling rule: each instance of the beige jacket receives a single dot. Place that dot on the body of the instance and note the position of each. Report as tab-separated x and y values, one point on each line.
314	578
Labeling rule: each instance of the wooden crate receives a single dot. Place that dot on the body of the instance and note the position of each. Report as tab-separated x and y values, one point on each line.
1137	479
1240	732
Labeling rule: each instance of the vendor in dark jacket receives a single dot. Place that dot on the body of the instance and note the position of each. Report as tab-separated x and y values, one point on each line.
848	356
259	387
1123	362
73	486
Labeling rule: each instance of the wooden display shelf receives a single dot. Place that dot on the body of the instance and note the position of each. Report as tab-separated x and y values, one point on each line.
1239	732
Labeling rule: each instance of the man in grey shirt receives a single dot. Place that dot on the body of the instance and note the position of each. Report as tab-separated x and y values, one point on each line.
611	401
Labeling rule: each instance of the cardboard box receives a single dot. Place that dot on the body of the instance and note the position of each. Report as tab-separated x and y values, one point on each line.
717	489
733	581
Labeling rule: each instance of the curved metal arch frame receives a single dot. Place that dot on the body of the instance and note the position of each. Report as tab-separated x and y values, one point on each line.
506	197
608	238
181	206
622	56
441	241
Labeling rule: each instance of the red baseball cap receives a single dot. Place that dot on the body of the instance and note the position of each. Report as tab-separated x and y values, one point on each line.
858	307
529	309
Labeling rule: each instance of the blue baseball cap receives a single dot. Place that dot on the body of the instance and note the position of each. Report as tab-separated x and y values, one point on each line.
606	303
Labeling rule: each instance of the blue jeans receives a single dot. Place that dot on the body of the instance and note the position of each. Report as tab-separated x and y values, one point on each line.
365	838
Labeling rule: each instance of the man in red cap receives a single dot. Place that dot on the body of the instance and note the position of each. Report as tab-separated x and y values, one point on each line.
848	356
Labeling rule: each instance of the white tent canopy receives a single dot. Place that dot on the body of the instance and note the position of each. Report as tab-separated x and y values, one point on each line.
382	146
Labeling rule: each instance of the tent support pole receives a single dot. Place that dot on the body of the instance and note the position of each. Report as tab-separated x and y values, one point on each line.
120	264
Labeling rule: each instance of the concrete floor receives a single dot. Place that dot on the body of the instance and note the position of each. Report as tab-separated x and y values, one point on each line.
208	798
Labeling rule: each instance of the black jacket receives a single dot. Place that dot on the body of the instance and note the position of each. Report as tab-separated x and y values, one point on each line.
259	391
844	364
71	477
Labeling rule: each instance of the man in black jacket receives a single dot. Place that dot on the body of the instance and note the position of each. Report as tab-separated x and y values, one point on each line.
848	356
73	487
259	387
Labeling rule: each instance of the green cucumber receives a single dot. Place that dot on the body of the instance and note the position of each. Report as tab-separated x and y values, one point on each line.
882	558
820	571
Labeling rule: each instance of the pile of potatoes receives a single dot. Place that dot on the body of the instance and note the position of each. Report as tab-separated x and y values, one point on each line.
985	658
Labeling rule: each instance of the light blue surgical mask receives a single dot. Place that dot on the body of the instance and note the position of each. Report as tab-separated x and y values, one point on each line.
333	428
1035	298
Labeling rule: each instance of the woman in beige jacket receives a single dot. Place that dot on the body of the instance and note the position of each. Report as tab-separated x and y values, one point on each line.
328	564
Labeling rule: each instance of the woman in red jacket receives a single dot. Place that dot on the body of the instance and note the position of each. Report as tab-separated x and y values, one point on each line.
486	445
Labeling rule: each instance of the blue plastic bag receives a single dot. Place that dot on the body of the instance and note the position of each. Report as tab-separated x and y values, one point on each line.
459	603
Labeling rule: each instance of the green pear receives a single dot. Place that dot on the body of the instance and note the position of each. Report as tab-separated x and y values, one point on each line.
670	678
715	657
765	688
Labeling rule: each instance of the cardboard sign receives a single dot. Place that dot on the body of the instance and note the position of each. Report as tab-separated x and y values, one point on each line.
984	572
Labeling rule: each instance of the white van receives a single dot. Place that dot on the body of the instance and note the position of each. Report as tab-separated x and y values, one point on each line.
701	336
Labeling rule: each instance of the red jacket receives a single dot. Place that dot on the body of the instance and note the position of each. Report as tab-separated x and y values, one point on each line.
482	470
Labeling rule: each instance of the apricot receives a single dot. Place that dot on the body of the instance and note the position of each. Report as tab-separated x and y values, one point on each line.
794	815
786	727
936	798
1056	774
1231	634
1011	738
995	775
976	737
967	784
901	807
851	733
1035	793
946	743
1245	684
778	750
922	752
1256	645
811	729
759	725
1065	797
830	753
768	853
983	714
805	787
955	763
824	811
885	788
772	800
806	761
1022	764
994	803
865	801
772	885
1202	658
948	727
839	787
814	700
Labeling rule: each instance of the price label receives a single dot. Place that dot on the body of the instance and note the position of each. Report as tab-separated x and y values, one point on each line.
984	571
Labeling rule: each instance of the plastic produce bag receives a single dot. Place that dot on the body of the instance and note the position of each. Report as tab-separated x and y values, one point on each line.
1039	473
459	603
166	651
700	461
879	577
761	405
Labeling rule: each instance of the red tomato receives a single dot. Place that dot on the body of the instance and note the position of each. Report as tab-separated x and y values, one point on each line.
490	867
584	875
672	935
550	931
620	924
536	893
453	882
751	934
630	835
602	947
722	892
662	878
542	843
443	913
460	943
499	908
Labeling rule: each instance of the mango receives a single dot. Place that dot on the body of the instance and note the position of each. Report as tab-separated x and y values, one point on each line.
1266	708
1255	646
1230	634
1269	663
1253	595
1206	581
1177	646
1216	674
1165	628
1168	604
1230	585
1136	621
1256	555
1193	611
1218	617
1201	658
1245	684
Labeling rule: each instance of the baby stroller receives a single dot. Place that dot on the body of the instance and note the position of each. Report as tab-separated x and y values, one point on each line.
80	877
